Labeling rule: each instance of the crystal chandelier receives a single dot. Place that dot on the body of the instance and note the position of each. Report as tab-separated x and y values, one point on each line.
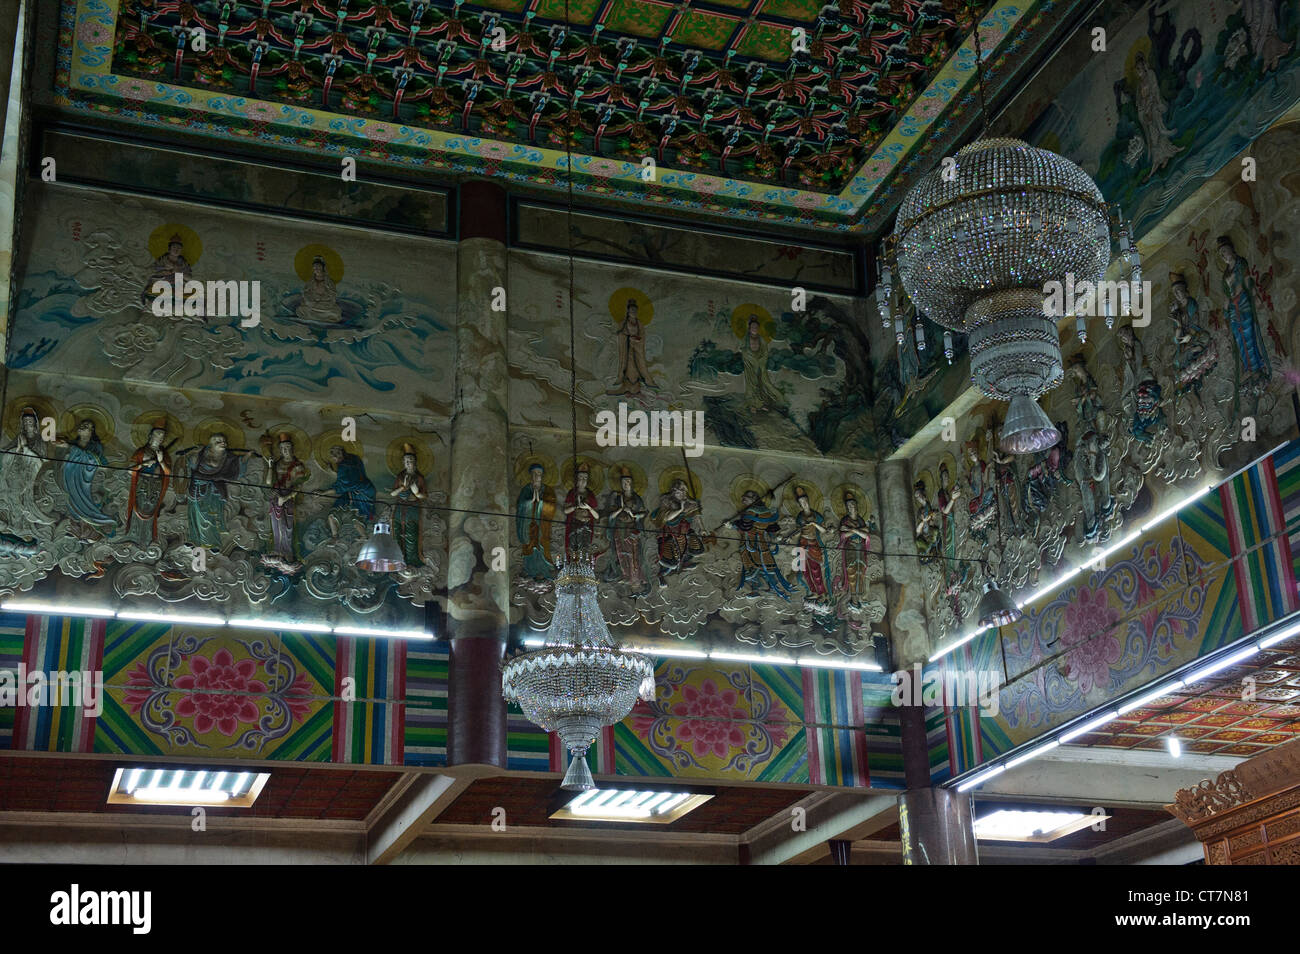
579	682
977	241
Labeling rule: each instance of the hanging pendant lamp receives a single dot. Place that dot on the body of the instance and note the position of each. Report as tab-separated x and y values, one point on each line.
976	245
579	682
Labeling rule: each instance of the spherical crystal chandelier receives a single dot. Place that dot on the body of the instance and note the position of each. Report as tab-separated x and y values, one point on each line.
579	682
977	245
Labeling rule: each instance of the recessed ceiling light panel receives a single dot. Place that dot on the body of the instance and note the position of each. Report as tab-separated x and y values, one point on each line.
140	785
1010	824
638	806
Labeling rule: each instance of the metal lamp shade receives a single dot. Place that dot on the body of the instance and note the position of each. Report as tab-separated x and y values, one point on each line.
381	554
1027	429
995	607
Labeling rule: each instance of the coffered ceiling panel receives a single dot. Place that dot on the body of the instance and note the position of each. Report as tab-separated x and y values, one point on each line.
781	110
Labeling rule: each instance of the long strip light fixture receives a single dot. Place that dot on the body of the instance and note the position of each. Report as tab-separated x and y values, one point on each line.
201	619
1097	558
1196	671
766	659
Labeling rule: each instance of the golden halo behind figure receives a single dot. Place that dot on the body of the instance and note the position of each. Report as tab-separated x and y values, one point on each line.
423	456
645	309
235	439
43	407
526	461
951	461
322	442
791	502
595	477
841	508
142	426
271	437
633	468
931	484
161	237
73	416
333	262
1141	47
694	488
740	321
749	482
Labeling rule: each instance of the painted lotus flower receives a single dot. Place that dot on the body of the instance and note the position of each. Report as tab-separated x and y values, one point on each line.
1093	649
220	699
708	715
90	32
134	89
261	112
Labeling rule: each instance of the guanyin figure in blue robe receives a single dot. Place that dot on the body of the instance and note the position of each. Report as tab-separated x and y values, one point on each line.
353	488
1239	290
82	461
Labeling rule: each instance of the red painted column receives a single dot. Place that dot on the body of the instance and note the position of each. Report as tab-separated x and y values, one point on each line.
477	596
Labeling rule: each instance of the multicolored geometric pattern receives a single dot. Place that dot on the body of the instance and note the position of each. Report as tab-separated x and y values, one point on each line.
56	645
369	729
1225	567
13	630
425	741
736	118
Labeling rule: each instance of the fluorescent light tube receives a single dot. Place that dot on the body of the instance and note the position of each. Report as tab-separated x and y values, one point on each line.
1170	511
254	623
1033	753
174	618
824	663
1087	727
1221	665
981	778
394	633
56	609
751	657
1150	697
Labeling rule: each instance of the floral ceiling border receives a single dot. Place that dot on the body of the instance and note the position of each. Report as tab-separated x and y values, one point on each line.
1011	31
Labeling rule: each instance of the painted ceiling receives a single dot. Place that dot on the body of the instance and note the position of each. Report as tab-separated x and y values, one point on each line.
779	110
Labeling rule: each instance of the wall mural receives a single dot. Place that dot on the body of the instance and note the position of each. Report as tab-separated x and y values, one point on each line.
176	495
706	549
1146	414
336	321
1181	90
765	377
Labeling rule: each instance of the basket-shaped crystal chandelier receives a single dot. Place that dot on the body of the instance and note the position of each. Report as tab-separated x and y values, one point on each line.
579	682
977	244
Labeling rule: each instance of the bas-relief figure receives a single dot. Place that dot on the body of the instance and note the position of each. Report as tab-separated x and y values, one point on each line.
680	536
151	470
82	460
1239	309
758	525
409	491
633	370
90	313
760	393
534	513
580	514
242	507
624	515
354	493
285	476
663	569
1176	407
813	563
208	473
